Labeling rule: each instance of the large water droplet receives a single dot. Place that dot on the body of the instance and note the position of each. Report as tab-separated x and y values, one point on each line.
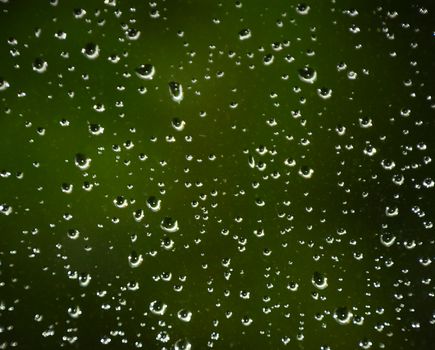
39	65
319	280
169	225
135	259
91	51
158	308
184	315
307	74
176	91
342	315
145	71
82	162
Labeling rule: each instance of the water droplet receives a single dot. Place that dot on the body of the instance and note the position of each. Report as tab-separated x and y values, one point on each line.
67	188
178	124
388	239
153	203
84	279
324	93
169	225
74	311
307	75
91	51
79	13
245	34
176	91
96	129
247	321
184	315
342	315
145	71
302	9
182	344
319	280
120	202
73	233
306	172
158	308
3	84
5	209
39	65
132	34
82	162
135	259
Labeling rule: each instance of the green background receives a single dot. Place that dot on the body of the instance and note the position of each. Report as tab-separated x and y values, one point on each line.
242	120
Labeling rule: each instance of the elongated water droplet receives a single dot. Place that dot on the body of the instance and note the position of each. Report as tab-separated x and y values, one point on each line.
176	91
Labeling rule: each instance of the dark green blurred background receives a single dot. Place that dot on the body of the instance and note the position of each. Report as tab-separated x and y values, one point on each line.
274	188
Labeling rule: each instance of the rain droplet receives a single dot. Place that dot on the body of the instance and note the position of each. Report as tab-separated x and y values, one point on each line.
307	74
184	315
319	280
135	259
176	91
342	315
388	239
306	172
324	93
96	129
74	311
178	124
145	71
82	162
39	65
91	51
245	34
182	344
84	279
169	225
153	203
120	202
302	9
3	84
158	308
